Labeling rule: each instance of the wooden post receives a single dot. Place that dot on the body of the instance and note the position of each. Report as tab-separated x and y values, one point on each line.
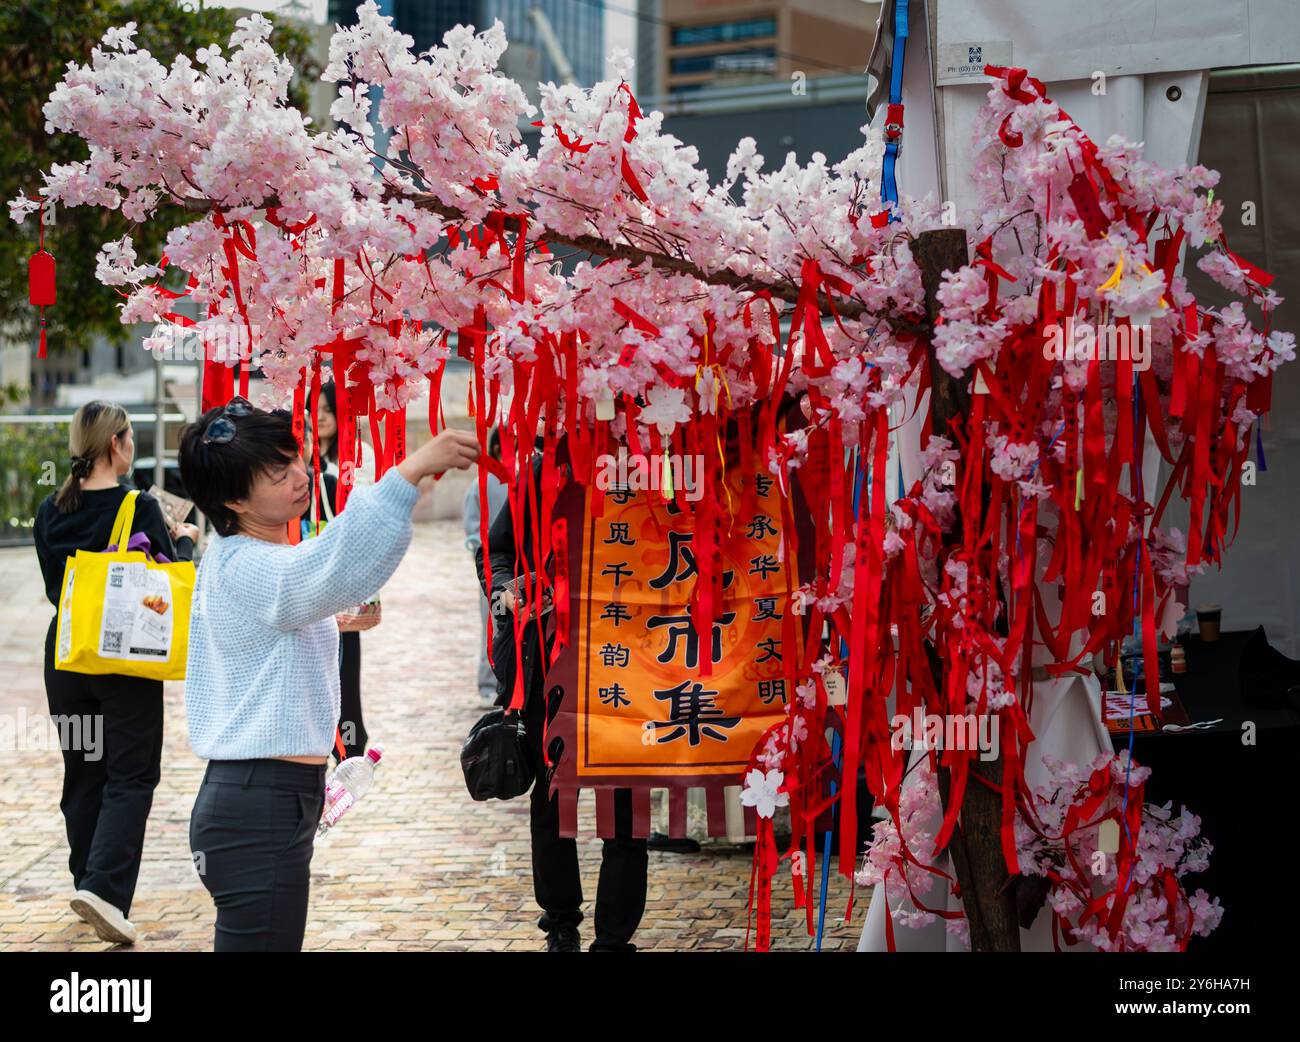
987	893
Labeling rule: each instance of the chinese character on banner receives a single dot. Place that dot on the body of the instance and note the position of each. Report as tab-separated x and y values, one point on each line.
635	710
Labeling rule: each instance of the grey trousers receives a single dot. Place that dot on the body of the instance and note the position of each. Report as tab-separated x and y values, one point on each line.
487	680
251	833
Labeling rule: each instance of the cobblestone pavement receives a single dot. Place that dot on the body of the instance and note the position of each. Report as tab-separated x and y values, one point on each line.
416	866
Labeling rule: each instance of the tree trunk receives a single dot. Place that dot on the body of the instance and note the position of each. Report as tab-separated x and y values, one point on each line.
987	893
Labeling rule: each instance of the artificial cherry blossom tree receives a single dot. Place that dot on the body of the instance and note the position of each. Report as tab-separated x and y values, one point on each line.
331	252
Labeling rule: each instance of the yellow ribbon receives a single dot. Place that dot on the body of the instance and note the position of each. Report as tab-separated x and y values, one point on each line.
1116	275
719	377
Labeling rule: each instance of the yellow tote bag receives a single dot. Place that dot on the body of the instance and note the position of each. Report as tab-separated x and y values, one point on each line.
121	612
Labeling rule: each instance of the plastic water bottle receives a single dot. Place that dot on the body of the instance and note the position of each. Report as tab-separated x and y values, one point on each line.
347	783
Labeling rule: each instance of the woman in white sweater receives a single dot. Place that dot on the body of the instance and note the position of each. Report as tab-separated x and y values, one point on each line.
262	686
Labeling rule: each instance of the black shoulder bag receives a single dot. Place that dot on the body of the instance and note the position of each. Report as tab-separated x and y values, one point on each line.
495	758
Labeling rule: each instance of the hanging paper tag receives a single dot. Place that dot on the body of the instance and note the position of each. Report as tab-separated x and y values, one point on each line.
604	408
1088	207
1108	836
837	691
41	291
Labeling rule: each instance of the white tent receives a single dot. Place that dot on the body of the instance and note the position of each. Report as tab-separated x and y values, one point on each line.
1154	62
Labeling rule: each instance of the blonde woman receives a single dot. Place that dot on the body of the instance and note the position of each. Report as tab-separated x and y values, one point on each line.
108	784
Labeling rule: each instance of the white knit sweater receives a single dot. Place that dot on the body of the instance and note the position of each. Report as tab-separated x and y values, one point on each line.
263	675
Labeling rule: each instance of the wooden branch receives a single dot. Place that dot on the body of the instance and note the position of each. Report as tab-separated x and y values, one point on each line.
987	893
848	309
936	252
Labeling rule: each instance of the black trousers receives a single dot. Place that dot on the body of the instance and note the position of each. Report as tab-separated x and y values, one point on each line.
557	883
108	790
252	832
351	726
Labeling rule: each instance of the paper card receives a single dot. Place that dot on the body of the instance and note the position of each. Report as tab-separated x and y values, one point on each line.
174	508
136	623
964	62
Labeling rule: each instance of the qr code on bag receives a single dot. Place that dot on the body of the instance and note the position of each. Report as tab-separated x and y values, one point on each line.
112	640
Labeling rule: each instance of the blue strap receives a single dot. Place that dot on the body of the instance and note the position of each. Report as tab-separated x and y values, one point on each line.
859	475
888	181
900	50
826	846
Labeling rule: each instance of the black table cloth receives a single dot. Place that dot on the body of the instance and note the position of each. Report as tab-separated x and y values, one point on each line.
1242	790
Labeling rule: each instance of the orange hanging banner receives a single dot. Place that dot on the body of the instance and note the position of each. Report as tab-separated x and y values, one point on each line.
638	711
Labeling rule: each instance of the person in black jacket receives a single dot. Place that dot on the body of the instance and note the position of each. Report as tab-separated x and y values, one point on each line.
557	883
107	790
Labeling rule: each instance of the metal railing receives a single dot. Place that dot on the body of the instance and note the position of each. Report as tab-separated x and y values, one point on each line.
59	417
33	463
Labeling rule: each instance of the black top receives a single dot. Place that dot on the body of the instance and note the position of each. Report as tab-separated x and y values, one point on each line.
59	536
501	554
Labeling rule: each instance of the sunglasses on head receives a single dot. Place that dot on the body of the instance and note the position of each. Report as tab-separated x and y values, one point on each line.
221	431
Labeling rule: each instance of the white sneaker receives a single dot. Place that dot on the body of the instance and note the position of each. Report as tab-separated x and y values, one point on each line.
109	923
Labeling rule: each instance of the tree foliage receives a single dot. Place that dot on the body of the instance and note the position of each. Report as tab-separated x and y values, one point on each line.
37	41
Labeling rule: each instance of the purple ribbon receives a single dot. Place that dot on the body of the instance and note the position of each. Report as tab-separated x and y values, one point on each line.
140	542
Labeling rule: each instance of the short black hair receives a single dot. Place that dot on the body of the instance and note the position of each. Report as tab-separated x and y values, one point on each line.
216	473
